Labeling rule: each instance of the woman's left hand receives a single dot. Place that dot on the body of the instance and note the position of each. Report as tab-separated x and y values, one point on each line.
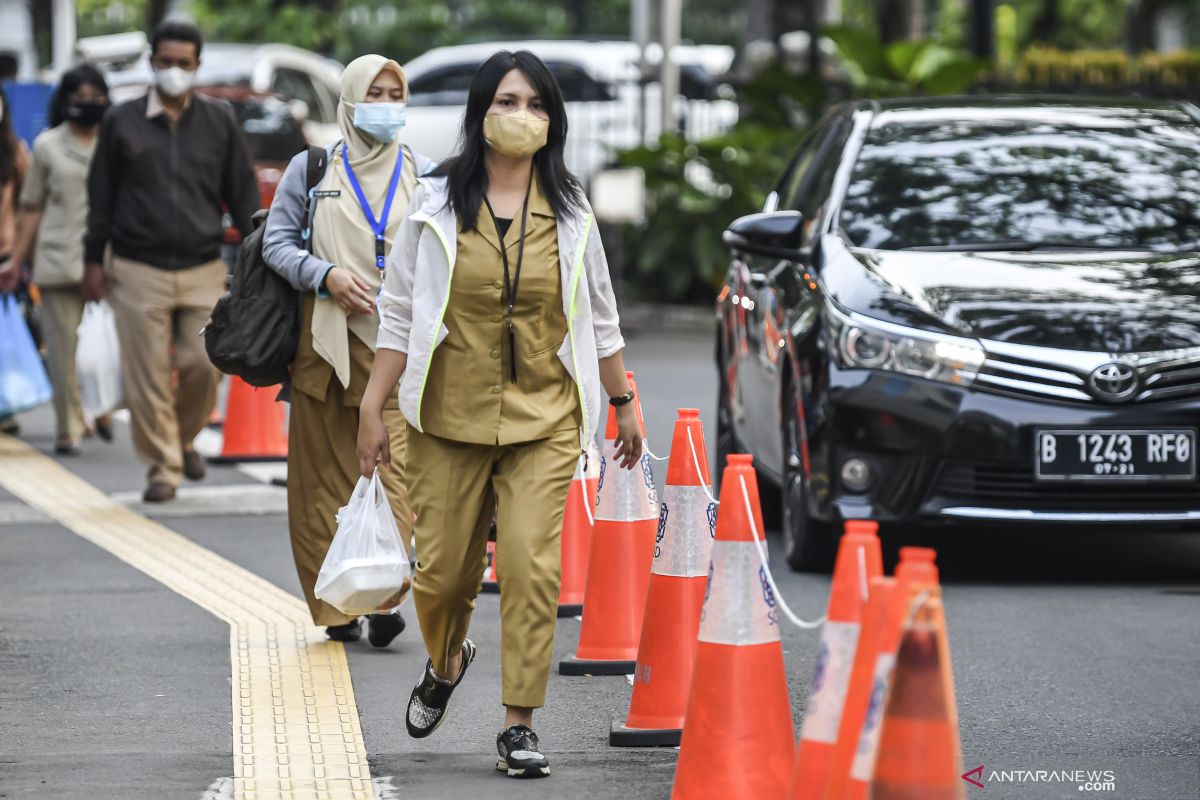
629	437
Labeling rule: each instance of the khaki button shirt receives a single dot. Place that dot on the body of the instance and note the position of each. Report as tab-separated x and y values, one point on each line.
470	396
57	184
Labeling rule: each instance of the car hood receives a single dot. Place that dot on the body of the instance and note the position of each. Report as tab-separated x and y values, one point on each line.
1101	302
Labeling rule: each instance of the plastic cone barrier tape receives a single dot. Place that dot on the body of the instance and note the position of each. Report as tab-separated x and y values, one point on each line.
618	575
738	739
255	425
858	560
916	574
678	580
578	521
920	753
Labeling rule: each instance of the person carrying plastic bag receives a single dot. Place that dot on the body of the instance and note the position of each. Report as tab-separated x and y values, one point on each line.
23	380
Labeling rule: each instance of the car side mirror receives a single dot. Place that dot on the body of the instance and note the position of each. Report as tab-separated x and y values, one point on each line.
775	234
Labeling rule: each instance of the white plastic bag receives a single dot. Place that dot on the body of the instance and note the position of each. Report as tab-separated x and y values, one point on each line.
98	362
366	570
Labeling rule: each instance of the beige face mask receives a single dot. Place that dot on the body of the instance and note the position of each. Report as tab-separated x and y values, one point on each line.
516	135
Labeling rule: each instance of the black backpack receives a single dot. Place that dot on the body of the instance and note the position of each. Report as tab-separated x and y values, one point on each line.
254	329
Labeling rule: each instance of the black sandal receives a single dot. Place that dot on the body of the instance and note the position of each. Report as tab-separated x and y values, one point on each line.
427	704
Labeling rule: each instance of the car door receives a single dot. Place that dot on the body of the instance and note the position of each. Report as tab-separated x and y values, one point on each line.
777	291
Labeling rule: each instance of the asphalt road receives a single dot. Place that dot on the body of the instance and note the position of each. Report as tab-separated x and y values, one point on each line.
1077	651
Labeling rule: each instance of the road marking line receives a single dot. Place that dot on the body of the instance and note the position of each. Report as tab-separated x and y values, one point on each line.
296	733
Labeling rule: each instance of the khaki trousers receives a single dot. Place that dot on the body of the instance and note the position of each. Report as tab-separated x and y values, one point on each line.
322	472
62	311
159	314
454	487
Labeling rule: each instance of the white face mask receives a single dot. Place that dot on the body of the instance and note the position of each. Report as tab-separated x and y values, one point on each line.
174	82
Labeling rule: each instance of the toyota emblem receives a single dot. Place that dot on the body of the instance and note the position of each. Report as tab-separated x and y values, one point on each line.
1114	382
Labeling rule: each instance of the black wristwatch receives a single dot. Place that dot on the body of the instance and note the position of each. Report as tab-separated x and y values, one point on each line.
623	400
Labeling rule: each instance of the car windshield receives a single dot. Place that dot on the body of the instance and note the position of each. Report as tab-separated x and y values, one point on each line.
955	184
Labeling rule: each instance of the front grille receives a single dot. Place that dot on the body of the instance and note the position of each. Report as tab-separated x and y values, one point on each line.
1011	485
1063	374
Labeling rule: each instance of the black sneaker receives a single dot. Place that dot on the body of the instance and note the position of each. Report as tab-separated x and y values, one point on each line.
383	628
519	754
427	704
350	632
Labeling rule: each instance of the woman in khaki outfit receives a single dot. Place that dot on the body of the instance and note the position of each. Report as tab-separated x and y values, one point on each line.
54	213
356	209
499	323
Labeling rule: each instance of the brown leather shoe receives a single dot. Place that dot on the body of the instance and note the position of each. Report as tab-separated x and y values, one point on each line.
193	466
159	492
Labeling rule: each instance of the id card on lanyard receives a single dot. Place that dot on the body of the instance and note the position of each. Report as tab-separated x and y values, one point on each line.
378	225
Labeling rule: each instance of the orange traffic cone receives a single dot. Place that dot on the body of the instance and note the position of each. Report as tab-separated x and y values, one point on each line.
920	752
738	737
578	521
915	575
858	561
678	580
255	425
880	603
618	576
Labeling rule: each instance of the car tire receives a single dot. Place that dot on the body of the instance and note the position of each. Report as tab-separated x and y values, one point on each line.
809	544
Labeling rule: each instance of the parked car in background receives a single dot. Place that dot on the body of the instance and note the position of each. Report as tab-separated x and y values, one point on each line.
971	310
600	83
307	81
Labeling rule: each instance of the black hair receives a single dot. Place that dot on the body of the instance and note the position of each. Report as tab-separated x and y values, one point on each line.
73	80
176	31
9	144
466	173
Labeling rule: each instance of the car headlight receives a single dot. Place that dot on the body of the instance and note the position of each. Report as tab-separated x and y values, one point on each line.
863	343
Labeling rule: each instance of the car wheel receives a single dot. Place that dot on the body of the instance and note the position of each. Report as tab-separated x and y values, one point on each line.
808	544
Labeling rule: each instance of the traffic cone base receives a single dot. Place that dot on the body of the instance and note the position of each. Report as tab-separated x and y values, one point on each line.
568	611
577	667
624	736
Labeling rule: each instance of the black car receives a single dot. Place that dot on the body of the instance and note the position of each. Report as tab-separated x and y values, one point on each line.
982	309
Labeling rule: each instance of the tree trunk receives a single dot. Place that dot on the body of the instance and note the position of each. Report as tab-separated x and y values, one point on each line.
156	10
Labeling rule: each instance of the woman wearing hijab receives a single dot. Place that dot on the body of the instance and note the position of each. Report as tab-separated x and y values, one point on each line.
54	216
355	213
499	324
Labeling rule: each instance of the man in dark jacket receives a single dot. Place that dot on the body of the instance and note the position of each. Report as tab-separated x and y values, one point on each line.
164	166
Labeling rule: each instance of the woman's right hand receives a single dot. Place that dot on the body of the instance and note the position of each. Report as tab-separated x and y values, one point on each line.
374	445
351	294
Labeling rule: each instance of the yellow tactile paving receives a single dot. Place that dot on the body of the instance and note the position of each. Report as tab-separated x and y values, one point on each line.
296	733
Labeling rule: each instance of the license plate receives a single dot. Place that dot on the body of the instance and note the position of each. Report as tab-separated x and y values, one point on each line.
1164	455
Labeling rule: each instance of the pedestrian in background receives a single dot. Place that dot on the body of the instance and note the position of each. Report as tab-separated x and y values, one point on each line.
357	208
499	323
14	164
164	165
53	216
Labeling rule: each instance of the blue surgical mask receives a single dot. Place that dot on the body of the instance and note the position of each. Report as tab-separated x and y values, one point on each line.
380	121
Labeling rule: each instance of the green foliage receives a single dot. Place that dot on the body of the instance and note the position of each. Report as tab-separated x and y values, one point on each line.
903	68
695	189
101	17
1109	70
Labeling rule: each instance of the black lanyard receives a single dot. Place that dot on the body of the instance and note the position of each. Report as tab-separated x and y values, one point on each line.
510	284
